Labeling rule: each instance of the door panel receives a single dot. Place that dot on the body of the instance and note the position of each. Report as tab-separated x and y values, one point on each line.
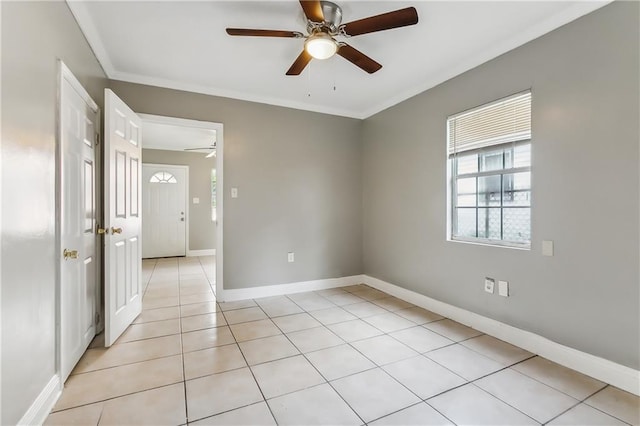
164	218
123	256
79	119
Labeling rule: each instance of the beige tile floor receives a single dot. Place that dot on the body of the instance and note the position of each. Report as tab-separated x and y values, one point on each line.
352	355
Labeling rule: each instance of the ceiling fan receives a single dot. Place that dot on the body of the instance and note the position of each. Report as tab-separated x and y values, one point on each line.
211	148
324	24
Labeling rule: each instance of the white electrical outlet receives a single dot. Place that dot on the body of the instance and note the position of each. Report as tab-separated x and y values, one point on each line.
291	257
488	285
503	288
547	248
196	200
234	192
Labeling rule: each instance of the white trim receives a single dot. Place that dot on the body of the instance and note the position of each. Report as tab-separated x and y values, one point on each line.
65	74
186	195
85	22
495	50
230	295
88	28
206	252
232	94
219	128
607	371
42	406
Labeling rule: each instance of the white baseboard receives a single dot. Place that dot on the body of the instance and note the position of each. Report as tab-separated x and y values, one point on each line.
41	407
607	371
207	252
229	295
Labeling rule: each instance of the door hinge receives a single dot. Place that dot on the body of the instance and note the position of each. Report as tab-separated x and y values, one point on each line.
97	138
97	318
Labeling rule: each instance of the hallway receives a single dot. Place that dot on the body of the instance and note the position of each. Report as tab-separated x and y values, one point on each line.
352	355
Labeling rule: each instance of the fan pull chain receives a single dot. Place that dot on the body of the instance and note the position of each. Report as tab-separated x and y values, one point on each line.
333	66
309	81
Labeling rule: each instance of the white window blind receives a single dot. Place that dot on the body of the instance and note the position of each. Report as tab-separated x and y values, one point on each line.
506	120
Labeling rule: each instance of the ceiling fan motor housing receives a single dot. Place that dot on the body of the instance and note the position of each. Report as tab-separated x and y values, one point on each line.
332	18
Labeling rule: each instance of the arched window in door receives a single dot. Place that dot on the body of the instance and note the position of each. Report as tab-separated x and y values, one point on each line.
163	177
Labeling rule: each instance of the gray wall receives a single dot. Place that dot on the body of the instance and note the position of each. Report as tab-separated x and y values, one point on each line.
34	36
584	79
298	176
202	231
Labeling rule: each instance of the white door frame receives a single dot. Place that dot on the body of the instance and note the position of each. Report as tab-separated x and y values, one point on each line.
219	128
186	195
65	74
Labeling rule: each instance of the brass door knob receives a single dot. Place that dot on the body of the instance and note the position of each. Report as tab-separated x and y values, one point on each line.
101	231
70	254
116	230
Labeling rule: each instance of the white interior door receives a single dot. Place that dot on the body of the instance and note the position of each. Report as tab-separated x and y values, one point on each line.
79	124
123	249
164	210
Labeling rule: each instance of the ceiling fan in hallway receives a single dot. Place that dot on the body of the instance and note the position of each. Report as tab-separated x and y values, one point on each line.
324	24
211	148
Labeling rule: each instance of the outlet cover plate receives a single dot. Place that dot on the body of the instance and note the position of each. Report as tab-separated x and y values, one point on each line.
291	257
488	285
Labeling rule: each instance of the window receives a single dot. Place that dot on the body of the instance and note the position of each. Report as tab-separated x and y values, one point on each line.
213	194
489	161
163	177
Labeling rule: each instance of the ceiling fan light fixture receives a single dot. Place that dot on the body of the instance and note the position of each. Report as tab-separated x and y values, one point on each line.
321	46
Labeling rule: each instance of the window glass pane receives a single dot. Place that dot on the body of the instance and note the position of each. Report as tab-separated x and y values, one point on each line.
489	223
467	163
517	224
489	190
517	189
466	222
466	192
522	155
491	160
163	177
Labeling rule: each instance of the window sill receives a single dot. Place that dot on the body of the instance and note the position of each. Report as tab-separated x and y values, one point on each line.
491	243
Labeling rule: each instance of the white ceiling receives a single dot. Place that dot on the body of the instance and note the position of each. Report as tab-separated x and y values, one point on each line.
183	45
176	138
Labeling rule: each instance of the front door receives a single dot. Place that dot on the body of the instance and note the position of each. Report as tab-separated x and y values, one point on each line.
79	124
164	214
123	248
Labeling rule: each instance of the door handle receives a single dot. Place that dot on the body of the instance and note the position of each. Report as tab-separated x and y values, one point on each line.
116	230
100	231
70	254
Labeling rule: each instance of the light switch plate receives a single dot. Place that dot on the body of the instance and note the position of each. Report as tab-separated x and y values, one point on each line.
196	200
489	284
234	192
503	288
547	248
291	257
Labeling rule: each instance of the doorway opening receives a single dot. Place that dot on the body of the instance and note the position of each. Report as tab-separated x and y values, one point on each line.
172	148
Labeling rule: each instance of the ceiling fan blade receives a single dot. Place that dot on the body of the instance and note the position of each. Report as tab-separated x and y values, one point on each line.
312	10
358	58
263	33
199	149
386	21
300	63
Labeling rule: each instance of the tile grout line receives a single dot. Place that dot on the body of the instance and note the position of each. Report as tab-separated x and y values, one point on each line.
315	368
184	374
264	399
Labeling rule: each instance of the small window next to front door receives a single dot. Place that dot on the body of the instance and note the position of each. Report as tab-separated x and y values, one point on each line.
163	177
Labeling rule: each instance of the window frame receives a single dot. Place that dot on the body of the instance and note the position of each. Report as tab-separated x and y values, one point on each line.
452	177
453	197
